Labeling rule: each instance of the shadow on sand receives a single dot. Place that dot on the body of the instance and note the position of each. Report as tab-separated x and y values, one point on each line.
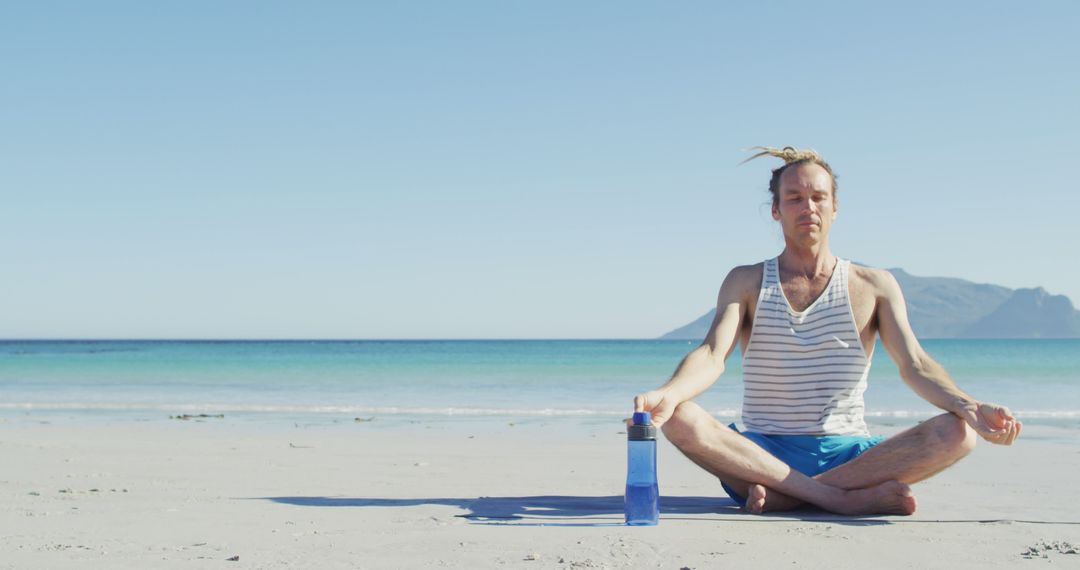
546	510
516	508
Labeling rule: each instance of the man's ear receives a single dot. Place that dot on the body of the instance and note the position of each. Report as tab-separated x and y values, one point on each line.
775	213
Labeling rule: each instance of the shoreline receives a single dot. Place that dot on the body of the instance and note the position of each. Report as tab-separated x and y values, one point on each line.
1043	425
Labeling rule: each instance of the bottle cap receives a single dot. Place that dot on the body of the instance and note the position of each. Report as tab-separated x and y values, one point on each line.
643	428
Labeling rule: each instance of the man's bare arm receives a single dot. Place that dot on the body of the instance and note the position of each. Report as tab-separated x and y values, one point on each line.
699	369
928	378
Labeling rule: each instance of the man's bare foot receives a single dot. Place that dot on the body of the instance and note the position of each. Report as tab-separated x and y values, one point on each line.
755	499
760	499
888	498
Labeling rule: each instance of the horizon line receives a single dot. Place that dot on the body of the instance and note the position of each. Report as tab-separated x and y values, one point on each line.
429	339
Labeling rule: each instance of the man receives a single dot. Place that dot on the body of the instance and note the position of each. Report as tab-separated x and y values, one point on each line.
806	322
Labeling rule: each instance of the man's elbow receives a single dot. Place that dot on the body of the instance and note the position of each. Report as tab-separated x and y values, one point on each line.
716	361
708	355
917	365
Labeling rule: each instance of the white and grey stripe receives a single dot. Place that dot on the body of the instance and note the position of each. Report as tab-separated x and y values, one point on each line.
804	373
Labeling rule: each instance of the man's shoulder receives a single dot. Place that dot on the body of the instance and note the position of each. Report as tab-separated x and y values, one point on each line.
747	275
745	271
874	279
742	283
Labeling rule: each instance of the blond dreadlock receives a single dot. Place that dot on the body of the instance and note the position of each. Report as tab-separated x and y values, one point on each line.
792	157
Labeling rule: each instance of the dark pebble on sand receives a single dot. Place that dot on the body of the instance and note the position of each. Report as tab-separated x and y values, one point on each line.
195	416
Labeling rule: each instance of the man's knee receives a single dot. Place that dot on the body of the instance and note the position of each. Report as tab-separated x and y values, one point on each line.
683	428
955	434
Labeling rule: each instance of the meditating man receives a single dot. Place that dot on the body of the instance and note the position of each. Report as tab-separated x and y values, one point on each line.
806	322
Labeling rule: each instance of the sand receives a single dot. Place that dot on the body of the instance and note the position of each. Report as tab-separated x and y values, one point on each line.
274	493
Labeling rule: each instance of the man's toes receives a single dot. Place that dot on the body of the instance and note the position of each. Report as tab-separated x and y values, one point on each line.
908	504
905	498
755	499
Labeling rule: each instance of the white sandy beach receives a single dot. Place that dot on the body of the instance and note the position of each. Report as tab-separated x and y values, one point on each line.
80	493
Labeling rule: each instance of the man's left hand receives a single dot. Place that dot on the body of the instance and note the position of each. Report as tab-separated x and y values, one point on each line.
995	423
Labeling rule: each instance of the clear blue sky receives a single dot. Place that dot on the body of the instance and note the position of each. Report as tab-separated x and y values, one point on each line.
508	169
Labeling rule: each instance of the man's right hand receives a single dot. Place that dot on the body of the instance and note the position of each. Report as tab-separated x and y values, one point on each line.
660	403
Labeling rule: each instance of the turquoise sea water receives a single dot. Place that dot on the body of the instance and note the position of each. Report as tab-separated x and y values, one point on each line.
1038	379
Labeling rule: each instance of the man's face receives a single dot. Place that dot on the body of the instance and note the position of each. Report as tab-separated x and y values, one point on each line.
806	206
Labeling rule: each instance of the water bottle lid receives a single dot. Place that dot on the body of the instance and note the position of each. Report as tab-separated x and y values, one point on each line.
642	428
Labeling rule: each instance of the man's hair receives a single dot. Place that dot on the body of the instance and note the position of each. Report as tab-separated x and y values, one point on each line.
792	157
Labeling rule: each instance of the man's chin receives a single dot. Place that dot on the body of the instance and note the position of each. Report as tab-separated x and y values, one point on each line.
806	238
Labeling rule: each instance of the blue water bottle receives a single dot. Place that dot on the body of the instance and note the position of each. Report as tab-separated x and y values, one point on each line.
642	499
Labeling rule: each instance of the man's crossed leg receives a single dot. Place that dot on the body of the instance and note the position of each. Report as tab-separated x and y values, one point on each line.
875	482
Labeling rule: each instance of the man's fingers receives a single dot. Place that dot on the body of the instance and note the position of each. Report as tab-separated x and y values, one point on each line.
1000	417
661	414
1004	417
990	416
987	431
1014	433
980	425
1003	436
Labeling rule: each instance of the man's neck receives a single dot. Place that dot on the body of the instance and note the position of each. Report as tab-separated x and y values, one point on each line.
815	261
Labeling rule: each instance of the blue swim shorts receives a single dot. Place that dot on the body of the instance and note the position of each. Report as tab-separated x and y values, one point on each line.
809	454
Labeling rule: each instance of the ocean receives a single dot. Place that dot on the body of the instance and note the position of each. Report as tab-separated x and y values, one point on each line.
557	380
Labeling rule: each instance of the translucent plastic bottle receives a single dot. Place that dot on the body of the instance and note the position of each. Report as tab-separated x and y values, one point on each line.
642	499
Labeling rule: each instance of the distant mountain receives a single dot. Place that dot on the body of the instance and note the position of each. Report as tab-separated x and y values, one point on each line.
946	307
1028	313
695	330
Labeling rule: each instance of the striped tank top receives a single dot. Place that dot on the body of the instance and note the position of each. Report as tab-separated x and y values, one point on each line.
804	373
